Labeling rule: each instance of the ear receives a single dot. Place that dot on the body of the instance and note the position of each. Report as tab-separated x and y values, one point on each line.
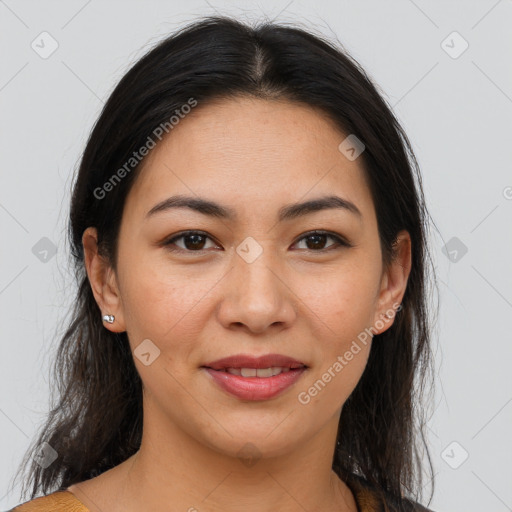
393	284
103	281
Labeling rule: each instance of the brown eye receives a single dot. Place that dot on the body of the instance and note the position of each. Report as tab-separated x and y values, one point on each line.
196	241
193	241
316	240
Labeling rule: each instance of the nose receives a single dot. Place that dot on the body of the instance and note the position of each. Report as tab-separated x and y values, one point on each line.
256	297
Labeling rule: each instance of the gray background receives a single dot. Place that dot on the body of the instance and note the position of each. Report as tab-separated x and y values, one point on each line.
455	107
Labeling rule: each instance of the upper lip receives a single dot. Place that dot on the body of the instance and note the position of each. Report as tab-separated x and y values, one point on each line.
247	361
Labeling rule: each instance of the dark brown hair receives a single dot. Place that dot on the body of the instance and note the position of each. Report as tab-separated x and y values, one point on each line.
96	422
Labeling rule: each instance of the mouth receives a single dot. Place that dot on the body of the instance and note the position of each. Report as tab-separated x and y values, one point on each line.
251	378
261	373
248	362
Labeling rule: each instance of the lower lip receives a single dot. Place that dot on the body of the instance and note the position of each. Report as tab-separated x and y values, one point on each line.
255	388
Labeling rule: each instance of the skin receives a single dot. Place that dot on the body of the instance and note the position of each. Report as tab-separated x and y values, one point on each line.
297	299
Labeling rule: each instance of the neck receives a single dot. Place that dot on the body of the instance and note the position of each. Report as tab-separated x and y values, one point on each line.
190	476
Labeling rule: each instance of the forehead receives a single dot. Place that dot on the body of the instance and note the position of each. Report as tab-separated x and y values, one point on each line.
251	151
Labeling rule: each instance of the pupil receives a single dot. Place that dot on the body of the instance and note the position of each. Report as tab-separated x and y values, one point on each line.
196	239
316	237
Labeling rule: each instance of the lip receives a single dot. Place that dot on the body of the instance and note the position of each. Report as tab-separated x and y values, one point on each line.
248	361
255	388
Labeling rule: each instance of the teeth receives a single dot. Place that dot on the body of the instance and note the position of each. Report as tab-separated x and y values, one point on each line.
266	372
258	372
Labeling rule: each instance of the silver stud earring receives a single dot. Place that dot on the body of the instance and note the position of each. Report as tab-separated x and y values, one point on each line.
387	315
108	318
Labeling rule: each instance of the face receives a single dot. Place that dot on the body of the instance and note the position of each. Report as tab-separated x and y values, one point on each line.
250	282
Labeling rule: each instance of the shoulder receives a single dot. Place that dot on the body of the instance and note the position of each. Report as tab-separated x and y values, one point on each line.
370	499
59	501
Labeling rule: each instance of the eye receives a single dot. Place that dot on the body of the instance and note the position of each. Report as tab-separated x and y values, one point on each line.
194	241
316	239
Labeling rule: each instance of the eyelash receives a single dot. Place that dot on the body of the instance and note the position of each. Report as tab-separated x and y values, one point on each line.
340	242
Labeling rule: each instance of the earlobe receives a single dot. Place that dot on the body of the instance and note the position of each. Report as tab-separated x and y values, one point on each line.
103	283
394	283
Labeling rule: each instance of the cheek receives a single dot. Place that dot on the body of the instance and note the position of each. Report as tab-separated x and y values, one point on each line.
160	302
343	299
344	307
341	360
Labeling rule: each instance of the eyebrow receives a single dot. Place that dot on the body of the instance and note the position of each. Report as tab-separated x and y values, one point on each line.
287	212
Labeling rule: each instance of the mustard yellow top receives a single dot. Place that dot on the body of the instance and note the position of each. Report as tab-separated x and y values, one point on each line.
367	500
59	501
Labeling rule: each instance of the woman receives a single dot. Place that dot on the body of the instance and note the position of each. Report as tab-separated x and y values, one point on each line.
251	327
